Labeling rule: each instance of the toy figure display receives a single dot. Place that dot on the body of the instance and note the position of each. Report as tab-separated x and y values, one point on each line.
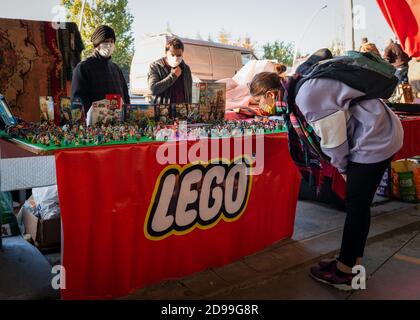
164	113
46	105
144	123
74	135
46	134
181	111
194	113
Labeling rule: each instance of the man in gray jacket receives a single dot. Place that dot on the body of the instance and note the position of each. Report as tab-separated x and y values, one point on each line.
169	78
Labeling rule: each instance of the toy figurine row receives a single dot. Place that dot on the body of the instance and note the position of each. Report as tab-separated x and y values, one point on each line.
48	134
69	135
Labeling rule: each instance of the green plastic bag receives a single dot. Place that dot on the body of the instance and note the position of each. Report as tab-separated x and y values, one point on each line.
407	187
8	221
6	203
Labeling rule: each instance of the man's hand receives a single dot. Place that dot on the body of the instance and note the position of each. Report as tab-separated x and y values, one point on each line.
177	71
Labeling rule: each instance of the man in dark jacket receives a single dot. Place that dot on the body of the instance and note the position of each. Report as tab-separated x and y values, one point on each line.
98	76
170	79
396	56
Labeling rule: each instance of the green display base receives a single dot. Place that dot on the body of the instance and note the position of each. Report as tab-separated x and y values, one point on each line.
52	148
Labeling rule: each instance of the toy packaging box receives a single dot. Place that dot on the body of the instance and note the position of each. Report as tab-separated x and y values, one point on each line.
137	112
77	111
116	106
106	111
46	105
216	98
65	110
213	96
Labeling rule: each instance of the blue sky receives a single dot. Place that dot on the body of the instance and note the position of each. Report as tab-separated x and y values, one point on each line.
263	20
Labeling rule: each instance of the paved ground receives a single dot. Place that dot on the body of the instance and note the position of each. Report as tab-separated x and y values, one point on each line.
24	272
279	272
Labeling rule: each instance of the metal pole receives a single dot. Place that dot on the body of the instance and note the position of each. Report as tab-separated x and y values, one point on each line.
353	43
306	30
350	43
81	16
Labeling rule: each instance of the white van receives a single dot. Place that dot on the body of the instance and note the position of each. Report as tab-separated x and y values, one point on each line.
208	61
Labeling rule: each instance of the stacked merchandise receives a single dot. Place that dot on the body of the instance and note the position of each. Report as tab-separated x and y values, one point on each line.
402	181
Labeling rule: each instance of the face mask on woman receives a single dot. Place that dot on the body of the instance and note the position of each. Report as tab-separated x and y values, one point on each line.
173	61
268	103
106	49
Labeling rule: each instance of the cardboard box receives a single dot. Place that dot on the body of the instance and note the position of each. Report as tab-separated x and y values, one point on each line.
44	233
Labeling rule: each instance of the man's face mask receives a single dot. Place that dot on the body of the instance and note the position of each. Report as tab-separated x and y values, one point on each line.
173	60
106	49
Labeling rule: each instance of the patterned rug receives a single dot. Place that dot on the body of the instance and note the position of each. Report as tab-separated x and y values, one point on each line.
31	65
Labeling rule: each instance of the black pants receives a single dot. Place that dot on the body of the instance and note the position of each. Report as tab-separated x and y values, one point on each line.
362	182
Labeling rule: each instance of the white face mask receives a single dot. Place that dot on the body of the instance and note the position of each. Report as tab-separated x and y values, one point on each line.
106	49
173	61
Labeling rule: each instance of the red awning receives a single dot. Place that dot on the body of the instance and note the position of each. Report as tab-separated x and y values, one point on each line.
404	18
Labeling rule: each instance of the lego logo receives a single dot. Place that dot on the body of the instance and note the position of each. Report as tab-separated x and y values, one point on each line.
198	196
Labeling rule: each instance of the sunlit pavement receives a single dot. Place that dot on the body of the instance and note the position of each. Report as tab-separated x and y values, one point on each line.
392	262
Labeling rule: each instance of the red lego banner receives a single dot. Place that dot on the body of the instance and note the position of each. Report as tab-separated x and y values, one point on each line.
130	220
403	17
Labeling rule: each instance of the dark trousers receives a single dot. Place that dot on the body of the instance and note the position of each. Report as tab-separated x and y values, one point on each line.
362	182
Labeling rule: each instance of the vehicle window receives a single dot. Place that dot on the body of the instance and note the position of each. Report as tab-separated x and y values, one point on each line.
246	57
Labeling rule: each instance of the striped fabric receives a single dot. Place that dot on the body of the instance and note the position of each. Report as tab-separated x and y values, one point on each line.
304	144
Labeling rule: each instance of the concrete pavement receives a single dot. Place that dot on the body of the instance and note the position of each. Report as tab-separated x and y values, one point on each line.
281	271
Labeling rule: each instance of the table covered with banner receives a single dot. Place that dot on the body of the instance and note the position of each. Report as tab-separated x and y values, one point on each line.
132	216
129	221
